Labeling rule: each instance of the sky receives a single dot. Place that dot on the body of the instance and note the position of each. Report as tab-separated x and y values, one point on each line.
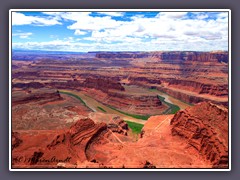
120	31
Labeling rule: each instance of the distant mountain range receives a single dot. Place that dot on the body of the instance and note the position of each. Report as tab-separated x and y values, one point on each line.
31	55
44	52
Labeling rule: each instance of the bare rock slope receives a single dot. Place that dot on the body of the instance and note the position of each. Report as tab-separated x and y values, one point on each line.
205	127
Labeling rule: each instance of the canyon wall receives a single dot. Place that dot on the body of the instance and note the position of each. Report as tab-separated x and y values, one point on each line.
199	87
69	146
33	95
192	99
189	139
220	56
103	84
205	127
133	104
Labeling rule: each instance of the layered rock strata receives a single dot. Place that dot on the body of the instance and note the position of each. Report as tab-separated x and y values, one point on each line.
33	95
205	127
220	56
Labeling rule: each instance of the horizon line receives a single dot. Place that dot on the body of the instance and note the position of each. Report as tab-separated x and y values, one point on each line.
118	51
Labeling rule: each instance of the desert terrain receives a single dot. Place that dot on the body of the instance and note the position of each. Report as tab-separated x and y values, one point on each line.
163	109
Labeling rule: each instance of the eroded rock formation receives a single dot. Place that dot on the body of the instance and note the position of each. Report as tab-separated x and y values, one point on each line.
190	139
33	95
134	104
199	87
205	127
79	137
193	98
53	130
170	55
16	141
73	143
103	84
190	76
44	108
35	85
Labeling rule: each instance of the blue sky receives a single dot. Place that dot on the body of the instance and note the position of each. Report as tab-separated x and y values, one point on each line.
120	31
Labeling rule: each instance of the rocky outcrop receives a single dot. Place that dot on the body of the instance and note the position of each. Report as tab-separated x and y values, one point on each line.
199	87
205	127
192	99
100	83
103	84
69	146
144	80
53	132
121	55
70	84
219	90
16	141
35	85
196	56
25	74
220	56
118	125
78	137
31	95
192	76
79	133
133	104
104	145
143	104
148	165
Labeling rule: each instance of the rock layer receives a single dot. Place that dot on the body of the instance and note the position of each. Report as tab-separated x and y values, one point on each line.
43	108
79	137
71	145
192	98
32	95
133	104
194	76
171	55
205	127
193	140
16	141
103	84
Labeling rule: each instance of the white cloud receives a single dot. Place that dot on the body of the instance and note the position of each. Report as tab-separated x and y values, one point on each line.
126	44
90	23
63	45
166	31
172	15
21	19
112	13
202	16
84	20
53	13
223	15
74	16
22	35
78	32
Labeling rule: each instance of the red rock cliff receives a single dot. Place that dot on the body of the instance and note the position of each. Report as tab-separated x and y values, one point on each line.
220	56
205	127
102	84
42	94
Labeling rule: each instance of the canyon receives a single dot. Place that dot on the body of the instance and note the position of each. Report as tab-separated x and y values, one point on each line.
166	141
190	76
83	110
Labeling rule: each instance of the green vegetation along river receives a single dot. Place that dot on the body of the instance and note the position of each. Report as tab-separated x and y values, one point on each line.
173	103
